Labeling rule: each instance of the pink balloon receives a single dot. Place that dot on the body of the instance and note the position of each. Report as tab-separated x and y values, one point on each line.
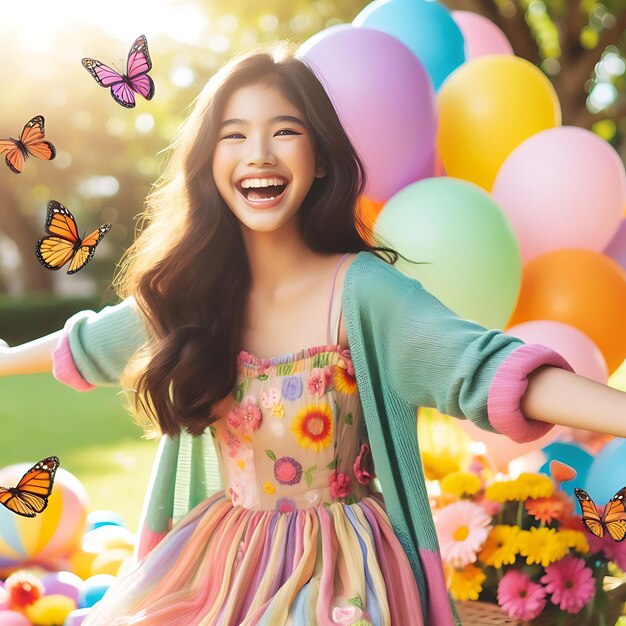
562	188
571	343
482	37
502	450
617	246
384	99
13	618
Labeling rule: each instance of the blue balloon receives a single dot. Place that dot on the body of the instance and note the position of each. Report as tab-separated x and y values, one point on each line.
426	27
95	519
92	590
607	473
571	454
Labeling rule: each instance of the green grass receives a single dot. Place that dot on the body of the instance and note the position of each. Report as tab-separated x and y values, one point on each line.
90	432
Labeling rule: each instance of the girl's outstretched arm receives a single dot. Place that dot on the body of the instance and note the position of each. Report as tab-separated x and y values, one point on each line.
34	357
557	396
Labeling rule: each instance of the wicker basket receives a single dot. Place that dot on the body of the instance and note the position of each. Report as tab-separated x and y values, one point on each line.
486	614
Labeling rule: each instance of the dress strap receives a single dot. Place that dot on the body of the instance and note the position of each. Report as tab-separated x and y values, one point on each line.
335	334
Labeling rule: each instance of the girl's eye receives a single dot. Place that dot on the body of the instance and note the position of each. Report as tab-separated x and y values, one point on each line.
233	136
286	131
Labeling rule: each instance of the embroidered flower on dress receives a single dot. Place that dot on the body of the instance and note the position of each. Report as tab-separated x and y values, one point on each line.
313	426
246	417
292	387
287	471
269	488
346	614
233	444
285	505
345	380
364	476
317	382
270	397
340	485
278	410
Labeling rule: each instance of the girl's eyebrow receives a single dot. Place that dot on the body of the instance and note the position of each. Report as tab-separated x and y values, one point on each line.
237	121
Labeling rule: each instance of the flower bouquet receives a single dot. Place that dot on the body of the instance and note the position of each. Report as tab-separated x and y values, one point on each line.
515	552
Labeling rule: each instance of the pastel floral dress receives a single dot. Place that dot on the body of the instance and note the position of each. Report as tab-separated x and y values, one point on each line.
299	536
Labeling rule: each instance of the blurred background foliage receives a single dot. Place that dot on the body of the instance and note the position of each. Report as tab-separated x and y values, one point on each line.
108	157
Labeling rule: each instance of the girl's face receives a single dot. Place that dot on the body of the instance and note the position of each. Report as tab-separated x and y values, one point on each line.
264	163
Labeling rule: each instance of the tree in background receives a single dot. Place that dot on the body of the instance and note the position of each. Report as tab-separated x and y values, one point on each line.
109	157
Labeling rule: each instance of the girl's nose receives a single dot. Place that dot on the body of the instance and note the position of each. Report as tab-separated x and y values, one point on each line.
261	155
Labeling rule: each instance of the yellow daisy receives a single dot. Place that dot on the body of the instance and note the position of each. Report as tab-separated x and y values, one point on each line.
501	546
534	486
436	466
501	491
461	483
541	545
269	488
466	584
313	426
574	539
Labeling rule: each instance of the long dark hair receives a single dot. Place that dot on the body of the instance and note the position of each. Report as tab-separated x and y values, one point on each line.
188	270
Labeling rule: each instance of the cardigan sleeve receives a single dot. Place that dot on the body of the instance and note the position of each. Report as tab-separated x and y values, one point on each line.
95	347
436	359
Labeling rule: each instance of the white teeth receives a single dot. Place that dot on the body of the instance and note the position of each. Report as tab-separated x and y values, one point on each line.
249	183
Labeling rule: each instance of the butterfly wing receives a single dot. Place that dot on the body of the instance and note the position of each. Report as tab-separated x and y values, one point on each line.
590	517
15	160
60	222
87	248
138	66
7	144
107	77
12	501
32	138
614	517
54	252
30	496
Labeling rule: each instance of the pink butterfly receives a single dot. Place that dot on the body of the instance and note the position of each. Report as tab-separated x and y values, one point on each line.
135	79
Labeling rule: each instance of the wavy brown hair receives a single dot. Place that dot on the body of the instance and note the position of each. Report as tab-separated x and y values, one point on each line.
188	269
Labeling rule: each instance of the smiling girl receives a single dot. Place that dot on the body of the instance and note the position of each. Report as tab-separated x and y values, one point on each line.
283	356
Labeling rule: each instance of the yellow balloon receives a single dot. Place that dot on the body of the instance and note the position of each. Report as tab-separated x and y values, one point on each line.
109	562
487	108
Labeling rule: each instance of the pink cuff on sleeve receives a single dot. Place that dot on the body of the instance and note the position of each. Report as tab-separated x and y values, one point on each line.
509	385
64	368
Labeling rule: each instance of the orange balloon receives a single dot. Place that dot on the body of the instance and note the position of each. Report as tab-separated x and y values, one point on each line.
367	210
582	288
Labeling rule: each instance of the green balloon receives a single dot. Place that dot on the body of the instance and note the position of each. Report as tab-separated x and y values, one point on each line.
473	262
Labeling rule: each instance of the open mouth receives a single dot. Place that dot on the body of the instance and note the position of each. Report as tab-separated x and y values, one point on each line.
256	190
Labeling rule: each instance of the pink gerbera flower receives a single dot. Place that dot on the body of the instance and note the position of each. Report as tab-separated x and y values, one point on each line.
520	597
570	582
462	528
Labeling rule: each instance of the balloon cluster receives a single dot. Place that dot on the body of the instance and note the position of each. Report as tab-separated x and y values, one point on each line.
519	220
59	564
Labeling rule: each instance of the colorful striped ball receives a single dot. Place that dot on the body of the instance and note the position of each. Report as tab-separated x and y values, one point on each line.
49	537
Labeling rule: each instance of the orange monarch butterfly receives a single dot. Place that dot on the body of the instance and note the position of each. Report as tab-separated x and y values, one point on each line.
30	143
65	244
613	519
31	494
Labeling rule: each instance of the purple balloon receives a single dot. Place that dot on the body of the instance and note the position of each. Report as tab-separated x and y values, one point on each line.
617	246
384	99
62	583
